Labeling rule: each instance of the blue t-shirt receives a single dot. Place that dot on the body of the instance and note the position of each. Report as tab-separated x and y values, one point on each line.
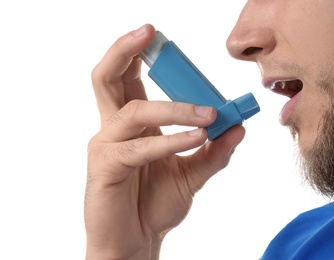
310	236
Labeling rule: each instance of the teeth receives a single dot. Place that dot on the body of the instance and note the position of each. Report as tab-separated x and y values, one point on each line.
280	84
293	85
287	88
283	84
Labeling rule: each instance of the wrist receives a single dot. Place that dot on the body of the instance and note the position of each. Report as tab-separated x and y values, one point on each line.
149	252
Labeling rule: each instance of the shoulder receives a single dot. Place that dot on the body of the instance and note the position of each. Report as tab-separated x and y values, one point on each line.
309	236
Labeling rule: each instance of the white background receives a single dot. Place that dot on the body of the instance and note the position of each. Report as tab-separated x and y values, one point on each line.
48	114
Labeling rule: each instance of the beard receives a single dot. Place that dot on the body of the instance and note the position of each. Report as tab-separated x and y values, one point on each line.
317	163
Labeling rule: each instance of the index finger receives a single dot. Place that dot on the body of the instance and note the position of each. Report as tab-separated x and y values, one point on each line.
107	75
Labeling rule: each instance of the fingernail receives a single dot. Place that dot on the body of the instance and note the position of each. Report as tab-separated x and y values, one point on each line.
196	132
203	111
140	31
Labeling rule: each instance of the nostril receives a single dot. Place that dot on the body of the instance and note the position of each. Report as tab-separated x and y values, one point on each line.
251	51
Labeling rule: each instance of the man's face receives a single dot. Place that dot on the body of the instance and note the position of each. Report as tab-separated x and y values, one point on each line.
293	44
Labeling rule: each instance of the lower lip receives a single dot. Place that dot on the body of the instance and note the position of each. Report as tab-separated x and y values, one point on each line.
288	109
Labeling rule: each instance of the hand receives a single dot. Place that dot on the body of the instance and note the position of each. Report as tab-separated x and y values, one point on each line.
137	188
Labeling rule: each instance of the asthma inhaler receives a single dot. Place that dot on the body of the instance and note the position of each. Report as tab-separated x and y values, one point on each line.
178	77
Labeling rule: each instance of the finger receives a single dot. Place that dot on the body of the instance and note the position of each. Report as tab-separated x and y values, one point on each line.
133	86
107	75
141	151
130	121
212	157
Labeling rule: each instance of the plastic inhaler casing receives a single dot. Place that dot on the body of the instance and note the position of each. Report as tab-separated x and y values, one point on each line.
178	77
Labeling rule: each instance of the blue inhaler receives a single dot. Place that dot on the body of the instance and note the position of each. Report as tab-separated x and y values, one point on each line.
178	77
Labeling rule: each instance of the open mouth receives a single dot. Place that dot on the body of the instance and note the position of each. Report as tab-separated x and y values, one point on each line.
287	88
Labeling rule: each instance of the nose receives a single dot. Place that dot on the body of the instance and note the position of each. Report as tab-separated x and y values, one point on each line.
252	36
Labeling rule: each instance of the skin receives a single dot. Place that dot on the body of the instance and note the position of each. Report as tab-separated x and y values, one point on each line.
294	40
290	40
137	188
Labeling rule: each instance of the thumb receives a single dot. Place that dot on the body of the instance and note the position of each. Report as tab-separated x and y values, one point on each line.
212	157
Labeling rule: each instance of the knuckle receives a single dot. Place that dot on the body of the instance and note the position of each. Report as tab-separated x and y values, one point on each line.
178	107
96	75
115	118
133	105
127	149
126	114
125	153
130	110
100	76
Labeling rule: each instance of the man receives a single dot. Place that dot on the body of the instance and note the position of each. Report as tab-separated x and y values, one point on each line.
138	189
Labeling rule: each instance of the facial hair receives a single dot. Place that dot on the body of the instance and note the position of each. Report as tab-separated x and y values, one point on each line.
317	162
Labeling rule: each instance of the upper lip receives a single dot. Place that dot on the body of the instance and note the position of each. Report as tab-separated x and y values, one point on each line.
284	86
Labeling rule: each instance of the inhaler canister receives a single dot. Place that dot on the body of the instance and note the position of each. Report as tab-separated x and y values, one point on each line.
179	78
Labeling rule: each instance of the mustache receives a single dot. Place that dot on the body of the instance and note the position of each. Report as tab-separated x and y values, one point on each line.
275	66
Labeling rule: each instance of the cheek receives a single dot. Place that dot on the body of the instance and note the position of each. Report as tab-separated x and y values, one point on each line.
309	31
317	44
